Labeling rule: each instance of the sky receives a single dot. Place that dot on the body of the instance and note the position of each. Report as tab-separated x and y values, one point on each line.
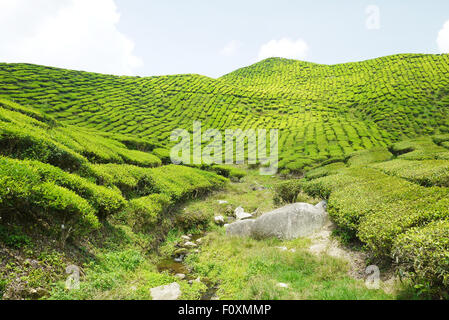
213	38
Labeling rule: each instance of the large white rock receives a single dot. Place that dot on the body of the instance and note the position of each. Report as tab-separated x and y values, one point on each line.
240	228
289	222
169	292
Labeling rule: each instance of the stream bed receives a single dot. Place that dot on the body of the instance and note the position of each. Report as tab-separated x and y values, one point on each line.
175	266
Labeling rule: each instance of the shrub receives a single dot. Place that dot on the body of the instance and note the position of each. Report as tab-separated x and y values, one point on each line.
364	157
143	213
426	173
325	170
287	191
228	171
425	252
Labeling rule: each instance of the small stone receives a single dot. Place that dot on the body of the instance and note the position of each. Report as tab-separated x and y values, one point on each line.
179	259
180	276
282	248
189	244
186	238
219	220
222	202
241	214
196	251
198	241
283	285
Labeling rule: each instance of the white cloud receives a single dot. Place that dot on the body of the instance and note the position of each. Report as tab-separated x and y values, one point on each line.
73	34
284	48
231	48
443	38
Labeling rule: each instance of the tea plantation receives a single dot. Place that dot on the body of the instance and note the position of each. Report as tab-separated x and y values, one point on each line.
323	112
81	152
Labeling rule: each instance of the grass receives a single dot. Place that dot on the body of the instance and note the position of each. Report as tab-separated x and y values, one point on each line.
250	269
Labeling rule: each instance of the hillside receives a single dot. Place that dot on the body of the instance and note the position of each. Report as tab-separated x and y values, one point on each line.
323	112
86	179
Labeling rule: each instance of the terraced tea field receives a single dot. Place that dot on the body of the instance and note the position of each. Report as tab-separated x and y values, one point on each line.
85	174
323	112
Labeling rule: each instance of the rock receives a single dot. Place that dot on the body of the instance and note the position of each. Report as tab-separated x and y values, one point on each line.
169	292
189	244
240	228
257	187
222	202
198	280
282	285
181	252
196	251
290	222
322	205
186	238
219	220
36	293
198	241
180	276
241	214
179	259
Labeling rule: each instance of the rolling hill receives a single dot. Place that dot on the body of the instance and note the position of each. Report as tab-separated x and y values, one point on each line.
323	112
81	152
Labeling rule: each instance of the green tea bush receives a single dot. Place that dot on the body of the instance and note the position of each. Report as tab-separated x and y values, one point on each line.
364	157
24	196
228	171
419	149
287	191
325	170
142	214
133	181
102	201
425	252
426	173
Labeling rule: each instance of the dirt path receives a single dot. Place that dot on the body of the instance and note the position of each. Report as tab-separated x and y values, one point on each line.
324	243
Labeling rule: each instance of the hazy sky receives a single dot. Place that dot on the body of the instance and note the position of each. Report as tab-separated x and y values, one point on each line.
145	37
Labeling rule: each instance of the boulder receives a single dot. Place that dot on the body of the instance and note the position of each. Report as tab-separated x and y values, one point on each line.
289	222
169	292
240	228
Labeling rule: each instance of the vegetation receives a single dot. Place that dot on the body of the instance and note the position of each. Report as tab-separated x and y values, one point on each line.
85	173
323	112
